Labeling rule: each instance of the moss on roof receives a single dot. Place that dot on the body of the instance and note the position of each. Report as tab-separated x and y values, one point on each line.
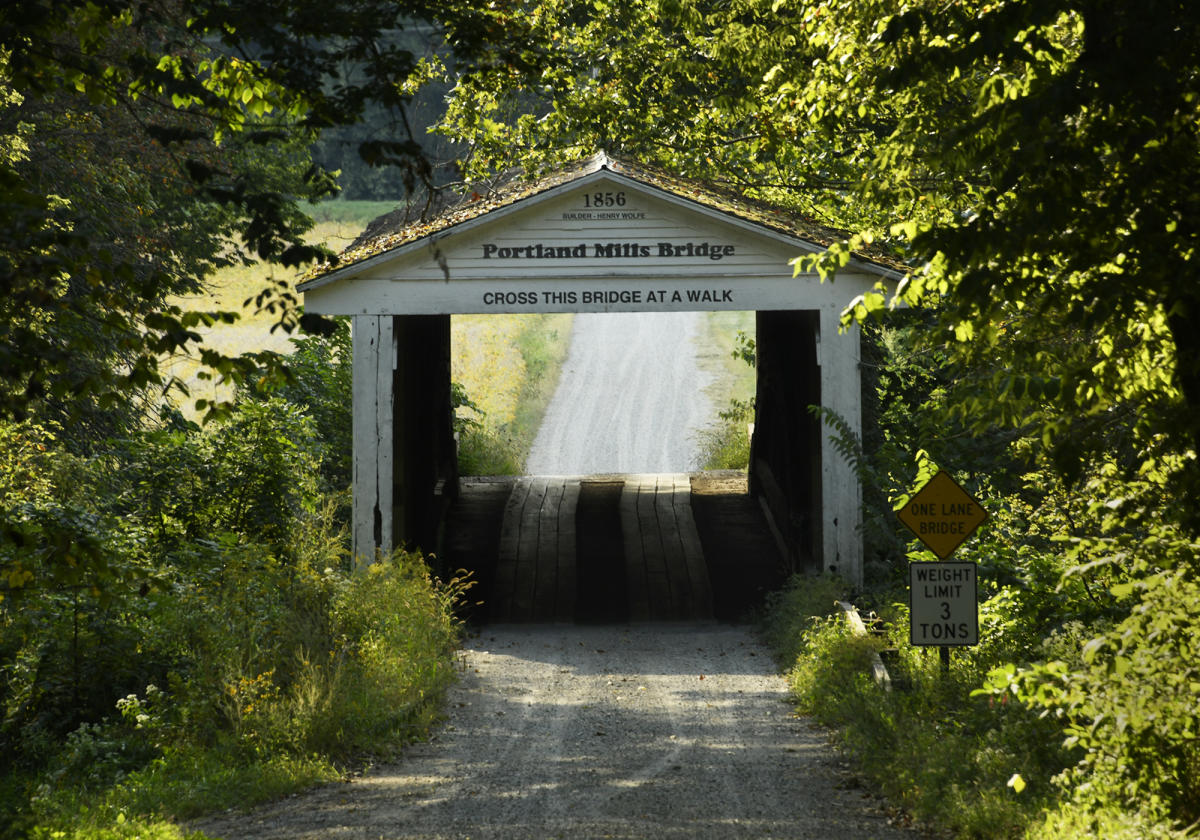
399	228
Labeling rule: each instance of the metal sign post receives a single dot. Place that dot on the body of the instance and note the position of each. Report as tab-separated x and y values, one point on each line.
943	602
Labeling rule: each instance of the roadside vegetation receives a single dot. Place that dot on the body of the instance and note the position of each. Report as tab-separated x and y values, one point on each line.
189	635
176	615
235	288
181	632
504	368
1040	201
1074	716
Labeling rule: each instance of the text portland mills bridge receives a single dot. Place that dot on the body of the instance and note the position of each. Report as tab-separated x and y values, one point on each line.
609	250
602	236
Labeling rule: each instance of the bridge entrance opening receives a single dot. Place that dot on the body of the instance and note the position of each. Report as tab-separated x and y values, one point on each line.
604	237
617	517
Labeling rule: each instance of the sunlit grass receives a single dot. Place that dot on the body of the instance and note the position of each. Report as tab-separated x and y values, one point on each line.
725	444
337	224
732	377
509	366
487	363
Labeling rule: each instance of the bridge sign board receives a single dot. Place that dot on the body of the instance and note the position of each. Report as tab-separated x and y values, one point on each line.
942	514
943	607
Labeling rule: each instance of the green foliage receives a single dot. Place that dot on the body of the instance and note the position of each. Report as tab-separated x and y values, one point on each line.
491	446
215	626
1094	732
726	446
141	150
1036	164
943	756
543	349
323	385
1028	180
483	451
795	609
1128	705
1075	821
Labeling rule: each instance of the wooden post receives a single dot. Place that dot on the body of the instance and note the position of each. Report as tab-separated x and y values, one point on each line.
841	493
372	531
786	454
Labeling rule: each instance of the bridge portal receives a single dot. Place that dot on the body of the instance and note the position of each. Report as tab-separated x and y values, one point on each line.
602	236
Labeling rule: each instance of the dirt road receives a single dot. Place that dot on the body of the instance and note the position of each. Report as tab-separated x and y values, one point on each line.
630	398
653	731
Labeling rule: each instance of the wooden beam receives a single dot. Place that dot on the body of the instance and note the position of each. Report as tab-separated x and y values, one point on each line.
841	494
693	553
567	552
510	545
635	556
372	530
549	556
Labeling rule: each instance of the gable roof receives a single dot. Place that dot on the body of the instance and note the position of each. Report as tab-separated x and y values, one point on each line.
397	230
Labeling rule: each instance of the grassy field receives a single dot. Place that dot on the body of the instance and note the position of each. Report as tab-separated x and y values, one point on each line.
734	379
726	444
508	365
336	225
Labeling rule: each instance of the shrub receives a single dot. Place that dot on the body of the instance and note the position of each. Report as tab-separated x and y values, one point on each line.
179	601
726	445
943	755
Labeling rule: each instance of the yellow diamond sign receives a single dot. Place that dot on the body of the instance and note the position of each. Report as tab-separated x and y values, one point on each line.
942	515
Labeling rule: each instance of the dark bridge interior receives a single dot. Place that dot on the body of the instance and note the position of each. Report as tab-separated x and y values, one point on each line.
600	548
603	549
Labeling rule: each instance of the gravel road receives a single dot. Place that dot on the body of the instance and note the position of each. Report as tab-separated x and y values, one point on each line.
630	399
650	731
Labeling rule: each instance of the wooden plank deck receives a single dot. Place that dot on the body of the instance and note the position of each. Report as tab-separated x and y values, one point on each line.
729	554
536	576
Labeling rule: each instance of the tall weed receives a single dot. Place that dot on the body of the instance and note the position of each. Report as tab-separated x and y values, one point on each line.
200	614
945	756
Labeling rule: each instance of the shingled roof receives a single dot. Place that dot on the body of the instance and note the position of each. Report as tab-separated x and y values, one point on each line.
398	228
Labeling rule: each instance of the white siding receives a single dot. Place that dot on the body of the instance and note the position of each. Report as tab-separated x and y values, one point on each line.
466	271
559	252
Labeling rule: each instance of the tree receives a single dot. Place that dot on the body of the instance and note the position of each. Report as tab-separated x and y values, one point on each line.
134	160
1061	142
1036	163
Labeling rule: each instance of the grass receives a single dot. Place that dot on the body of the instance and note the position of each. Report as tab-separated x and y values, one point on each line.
941	754
152	802
733	378
391	638
726	443
336	225
509	366
543	346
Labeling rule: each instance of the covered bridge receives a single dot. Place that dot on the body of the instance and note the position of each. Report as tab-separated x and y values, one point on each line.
601	236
